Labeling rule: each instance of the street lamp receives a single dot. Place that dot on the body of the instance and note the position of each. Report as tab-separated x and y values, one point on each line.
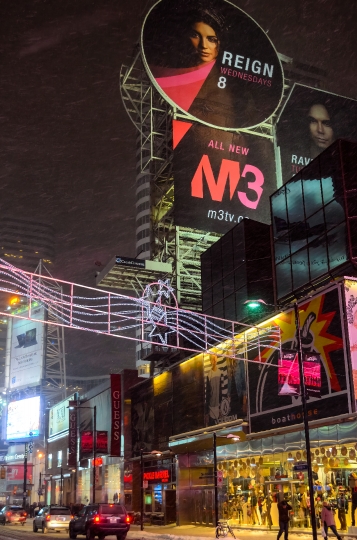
94	408
253	304
156	453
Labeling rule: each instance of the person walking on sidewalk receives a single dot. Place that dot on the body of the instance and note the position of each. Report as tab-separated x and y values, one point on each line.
328	519
284	517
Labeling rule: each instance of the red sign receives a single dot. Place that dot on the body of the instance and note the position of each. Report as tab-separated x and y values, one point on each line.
102	442
72	434
289	374
16	472
157	476
86	442
115	385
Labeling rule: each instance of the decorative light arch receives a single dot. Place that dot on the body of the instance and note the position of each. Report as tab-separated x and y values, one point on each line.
156	314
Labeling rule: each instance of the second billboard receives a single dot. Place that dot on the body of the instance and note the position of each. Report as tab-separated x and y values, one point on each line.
220	177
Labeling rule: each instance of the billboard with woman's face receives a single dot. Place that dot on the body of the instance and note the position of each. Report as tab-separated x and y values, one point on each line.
212	61
310	121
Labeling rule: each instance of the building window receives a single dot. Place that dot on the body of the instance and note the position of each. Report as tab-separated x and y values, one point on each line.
59	458
49	461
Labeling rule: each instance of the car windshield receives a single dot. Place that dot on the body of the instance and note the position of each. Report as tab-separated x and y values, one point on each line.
15	508
111	509
60	512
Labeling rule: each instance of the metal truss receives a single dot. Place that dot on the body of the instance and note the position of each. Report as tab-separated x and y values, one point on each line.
155	316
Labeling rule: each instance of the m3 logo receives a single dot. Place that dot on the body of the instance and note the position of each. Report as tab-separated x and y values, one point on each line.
229	173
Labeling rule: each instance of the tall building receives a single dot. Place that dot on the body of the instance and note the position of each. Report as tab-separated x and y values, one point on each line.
23	242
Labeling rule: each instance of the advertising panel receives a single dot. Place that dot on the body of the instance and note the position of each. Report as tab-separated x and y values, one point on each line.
115	393
321	332
225	389
221	177
310	121
212	61
72	433
350	286
23	418
27	349
59	418
288	374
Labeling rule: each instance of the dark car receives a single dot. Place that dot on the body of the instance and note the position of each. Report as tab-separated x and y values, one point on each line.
53	517
13	514
101	520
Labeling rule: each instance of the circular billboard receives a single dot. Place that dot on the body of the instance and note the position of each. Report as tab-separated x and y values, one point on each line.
212	61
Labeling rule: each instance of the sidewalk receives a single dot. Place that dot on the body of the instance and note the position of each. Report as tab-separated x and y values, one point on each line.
191	532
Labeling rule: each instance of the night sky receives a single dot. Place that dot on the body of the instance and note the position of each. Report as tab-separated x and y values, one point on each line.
67	153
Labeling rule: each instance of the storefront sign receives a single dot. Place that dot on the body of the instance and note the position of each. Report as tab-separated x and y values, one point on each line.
157	476
72	434
321	332
235	82
115	389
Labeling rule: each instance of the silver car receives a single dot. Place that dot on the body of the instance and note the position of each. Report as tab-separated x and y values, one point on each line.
52	517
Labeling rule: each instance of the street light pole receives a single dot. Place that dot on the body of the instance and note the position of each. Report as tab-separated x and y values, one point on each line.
215	479
306	423
24	495
94	447
141	490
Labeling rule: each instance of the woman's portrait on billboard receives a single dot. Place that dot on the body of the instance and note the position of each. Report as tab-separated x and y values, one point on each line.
184	45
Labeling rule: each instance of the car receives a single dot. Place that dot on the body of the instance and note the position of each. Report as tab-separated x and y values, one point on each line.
52	517
101	519
13	514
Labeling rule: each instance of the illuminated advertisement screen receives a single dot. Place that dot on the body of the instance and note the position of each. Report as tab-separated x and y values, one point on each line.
27	349
23	418
310	121
58	417
213	61
288	374
351	315
322	337
220	177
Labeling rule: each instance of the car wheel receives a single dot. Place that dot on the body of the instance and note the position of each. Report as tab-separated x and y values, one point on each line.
72	534
34	527
89	534
101	536
44	528
121	536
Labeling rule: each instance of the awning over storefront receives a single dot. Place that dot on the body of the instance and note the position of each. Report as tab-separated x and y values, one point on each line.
204	441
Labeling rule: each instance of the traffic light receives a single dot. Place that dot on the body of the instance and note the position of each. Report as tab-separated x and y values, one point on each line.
3	473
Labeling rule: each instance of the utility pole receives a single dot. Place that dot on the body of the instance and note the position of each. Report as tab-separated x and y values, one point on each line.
94	448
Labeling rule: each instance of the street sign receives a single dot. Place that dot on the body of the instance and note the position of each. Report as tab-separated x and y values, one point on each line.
219	481
219	474
300	466
47	477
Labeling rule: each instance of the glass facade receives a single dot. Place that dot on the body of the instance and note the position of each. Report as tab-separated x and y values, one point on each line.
311	223
259	473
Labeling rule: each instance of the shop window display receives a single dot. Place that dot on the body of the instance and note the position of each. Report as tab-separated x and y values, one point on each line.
253	486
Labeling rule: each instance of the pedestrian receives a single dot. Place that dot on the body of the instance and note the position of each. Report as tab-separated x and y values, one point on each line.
284	517
328	520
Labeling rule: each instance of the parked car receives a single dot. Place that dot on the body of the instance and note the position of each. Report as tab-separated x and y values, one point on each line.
53	517
13	514
100	520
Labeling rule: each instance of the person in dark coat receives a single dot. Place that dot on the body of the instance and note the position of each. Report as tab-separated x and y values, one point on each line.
284	517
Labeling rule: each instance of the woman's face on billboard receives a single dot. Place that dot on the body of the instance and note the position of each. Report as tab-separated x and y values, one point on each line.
205	42
321	130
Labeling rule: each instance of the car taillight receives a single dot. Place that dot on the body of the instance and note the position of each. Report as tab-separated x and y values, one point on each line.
8	513
128	519
24	514
71	517
96	519
48	518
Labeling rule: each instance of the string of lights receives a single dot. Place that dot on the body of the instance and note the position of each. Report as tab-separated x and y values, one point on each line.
155	314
